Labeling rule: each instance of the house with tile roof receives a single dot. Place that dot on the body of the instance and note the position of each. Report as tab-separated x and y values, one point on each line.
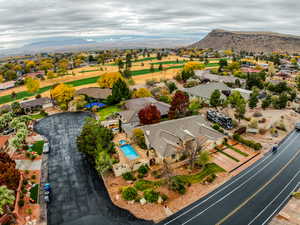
204	91
133	106
170	138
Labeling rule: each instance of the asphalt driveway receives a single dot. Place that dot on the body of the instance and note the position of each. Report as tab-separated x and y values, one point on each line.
79	196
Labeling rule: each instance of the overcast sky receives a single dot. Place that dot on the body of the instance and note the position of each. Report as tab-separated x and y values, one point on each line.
25	21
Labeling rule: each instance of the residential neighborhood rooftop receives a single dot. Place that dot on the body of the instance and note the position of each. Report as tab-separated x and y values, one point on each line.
165	137
95	92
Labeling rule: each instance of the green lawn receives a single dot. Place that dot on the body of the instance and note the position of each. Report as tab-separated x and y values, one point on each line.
105	112
36	116
38	147
226	154
210	169
169	62
237	150
34	192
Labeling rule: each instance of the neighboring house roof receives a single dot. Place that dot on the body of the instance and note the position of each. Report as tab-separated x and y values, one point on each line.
7	85
205	90
166	137
95	92
133	107
206	75
3	141
35	74
35	102
245	93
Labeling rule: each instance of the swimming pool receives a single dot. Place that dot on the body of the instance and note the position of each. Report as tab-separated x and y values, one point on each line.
122	142
128	150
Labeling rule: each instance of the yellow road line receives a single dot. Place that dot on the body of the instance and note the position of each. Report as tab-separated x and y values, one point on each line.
259	190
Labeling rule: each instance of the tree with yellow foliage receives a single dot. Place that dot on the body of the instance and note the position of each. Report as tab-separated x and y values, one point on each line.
1	78
107	80
141	93
271	69
63	94
189	66
32	84
29	64
228	52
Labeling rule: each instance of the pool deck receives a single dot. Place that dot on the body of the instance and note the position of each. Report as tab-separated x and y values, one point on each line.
122	157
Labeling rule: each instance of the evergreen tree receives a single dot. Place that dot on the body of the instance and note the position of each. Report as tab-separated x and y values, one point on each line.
215	98
120	92
253	98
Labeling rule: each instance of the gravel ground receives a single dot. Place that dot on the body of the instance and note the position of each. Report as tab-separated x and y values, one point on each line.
79	195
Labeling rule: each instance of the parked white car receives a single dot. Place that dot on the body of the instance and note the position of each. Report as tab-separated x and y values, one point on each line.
46	148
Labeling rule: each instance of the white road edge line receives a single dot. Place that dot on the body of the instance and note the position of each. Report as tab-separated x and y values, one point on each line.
238	186
230	183
280	205
275	197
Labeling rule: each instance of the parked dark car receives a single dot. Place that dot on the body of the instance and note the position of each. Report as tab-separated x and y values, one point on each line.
297	126
8	131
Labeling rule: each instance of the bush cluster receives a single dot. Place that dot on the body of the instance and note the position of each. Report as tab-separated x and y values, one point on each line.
249	143
128	176
129	193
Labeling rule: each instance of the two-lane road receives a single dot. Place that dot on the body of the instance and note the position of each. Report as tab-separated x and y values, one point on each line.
252	197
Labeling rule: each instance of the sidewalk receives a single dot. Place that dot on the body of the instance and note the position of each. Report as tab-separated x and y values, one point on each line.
28	164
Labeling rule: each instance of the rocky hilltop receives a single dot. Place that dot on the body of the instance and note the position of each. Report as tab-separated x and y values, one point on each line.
250	41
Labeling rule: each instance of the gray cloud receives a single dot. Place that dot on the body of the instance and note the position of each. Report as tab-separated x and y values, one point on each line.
24	21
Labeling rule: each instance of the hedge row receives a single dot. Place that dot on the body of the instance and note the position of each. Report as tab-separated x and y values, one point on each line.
249	143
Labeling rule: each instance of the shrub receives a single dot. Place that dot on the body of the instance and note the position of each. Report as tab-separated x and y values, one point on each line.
33	177
249	143
164	197
177	185
217	127
128	176
142	185
280	125
211	178
143	169
257	114
263	131
129	193
156	174
253	124
21	203
151	195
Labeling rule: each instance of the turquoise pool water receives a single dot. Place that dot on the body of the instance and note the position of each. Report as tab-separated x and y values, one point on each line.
122	142
128	150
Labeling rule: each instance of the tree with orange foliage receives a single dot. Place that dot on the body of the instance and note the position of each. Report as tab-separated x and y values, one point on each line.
179	105
149	115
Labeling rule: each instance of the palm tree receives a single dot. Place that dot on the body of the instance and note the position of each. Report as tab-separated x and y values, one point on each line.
7	198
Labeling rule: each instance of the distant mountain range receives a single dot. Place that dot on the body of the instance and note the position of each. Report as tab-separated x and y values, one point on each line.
64	44
249	41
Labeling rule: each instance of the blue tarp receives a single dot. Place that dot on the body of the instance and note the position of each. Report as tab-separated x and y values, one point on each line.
91	105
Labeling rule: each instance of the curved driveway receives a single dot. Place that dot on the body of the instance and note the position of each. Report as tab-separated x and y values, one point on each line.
79	196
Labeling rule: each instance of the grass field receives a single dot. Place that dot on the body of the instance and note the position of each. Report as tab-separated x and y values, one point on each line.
91	80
